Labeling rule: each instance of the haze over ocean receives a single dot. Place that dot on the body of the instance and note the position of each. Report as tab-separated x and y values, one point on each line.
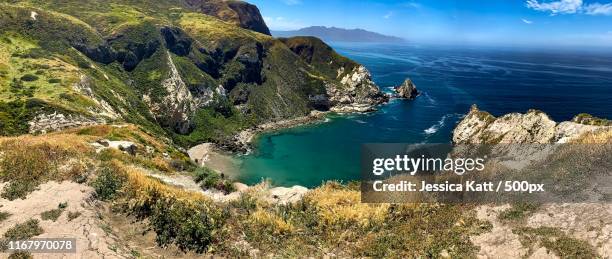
561	83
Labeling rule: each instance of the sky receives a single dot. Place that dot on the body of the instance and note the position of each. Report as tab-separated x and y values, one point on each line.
480	22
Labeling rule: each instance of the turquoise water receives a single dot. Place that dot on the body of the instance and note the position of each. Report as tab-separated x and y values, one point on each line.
451	79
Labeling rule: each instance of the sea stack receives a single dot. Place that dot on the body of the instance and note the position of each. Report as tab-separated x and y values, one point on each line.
407	90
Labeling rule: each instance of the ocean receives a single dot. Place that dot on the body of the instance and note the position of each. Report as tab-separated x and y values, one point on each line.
561	83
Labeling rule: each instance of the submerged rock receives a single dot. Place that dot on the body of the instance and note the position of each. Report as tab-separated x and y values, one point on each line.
407	90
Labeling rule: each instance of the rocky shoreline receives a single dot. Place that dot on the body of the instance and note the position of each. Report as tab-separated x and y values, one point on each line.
241	142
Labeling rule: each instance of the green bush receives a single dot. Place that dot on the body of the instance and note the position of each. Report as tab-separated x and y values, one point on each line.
54	81
556	241
208	179
29	78
18	189
518	211
54	214
108	183
190	226
24	230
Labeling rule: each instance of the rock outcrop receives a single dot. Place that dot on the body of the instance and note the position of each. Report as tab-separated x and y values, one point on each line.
533	127
407	90
178	104
122	145
56	121
350	87
357	92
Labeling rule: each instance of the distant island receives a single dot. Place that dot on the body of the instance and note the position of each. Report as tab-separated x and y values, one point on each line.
340	34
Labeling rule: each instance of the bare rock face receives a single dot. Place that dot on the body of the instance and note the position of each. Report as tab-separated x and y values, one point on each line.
178	105
533	127
358	93
407	90
44	123
104	108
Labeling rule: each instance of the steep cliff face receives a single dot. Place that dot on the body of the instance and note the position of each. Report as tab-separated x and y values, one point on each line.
533	127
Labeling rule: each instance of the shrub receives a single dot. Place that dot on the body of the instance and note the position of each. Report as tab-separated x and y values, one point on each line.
17	189
54	81
73	215
107	183
555	240
83	64
186	219
54	214
29	78
21	255
24	230
191	226
181	165
208	179
518	211
4	215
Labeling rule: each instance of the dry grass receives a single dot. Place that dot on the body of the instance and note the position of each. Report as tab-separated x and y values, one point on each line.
599	137
28	161
336	205
270	223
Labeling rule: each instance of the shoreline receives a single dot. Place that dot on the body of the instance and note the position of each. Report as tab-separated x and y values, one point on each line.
245	138
222	158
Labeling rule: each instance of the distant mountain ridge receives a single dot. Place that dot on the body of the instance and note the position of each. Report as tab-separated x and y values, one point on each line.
339	34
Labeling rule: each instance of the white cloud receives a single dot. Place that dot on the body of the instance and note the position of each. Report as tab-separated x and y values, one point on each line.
388	15
570	7
292	2
527	21
282	24
556	7
598	9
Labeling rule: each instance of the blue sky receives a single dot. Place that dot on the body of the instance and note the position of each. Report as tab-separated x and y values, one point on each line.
483	22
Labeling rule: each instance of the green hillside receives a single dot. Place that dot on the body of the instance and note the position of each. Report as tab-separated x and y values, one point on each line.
190	70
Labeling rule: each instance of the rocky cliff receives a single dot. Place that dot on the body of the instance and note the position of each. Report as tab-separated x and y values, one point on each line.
349	85
533	127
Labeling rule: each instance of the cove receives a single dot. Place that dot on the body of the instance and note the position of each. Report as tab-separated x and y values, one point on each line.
451	79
